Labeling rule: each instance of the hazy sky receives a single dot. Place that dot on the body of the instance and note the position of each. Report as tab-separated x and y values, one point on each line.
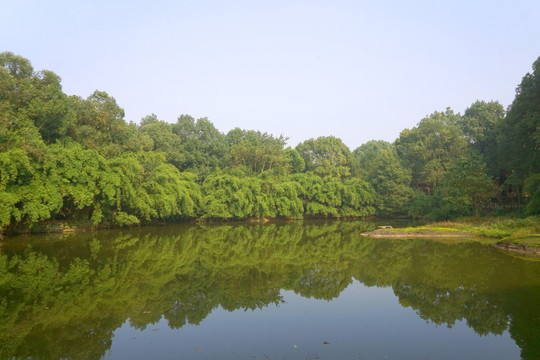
358	70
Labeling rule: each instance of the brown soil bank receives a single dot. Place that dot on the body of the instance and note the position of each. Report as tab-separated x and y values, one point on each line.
526	246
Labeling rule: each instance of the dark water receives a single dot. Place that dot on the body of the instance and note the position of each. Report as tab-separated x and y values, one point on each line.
289	291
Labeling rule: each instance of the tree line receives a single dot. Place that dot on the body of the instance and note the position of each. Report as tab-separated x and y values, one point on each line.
73	159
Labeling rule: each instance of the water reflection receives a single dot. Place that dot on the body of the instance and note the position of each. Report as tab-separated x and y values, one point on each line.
64	296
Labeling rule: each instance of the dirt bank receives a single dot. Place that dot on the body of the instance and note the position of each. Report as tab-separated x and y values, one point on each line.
395	233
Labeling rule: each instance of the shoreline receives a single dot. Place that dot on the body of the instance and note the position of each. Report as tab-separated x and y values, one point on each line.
519	249
386	234
526	245
519	236
72	226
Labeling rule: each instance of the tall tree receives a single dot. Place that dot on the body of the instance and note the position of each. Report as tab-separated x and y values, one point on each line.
28	97
481	125
295	161
204	147
326	156
379	164
531	190
100	124
519	140
428	148
163	139
467	183
32	107
256	152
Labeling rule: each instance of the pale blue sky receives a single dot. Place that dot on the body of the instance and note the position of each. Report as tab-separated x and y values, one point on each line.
358	70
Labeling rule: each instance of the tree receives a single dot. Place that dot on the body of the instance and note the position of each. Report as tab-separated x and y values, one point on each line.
466	183
49	108
29	97
366	157
519	139
429	148
294	160
379	164
163	139
28	189
256	152
227	196
31	107
531	190
481	125
79	173
99	124
358	198
143	187
204	147
172	194
331	197
286	199
326	156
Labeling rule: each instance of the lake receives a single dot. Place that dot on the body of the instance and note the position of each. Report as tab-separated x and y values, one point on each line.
302	290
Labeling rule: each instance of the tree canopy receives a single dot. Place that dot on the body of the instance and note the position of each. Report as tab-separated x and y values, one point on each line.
77	159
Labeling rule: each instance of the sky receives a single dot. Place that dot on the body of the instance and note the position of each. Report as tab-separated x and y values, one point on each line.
357	70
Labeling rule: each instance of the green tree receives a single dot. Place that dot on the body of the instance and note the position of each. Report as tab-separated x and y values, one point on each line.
204	147
49	108
326	156
531	190
331	197
99	124
27	97
28	189
467	184
429	148
379	164
172	194
228	196
481	124
256	152
79	174
519	138
145	188
358	198
420	205
163	139
286	199
294	160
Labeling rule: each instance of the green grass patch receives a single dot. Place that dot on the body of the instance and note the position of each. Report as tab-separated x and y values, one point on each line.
522	231
425	229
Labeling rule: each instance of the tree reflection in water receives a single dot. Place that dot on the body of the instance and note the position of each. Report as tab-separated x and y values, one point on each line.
64	296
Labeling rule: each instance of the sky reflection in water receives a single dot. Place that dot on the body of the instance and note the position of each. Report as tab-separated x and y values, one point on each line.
363	323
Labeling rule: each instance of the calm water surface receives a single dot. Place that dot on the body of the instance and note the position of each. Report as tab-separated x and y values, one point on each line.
273	291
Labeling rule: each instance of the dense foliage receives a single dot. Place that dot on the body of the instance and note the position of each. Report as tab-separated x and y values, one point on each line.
73	159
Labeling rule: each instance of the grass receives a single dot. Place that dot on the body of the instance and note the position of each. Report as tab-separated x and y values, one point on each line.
434	228
524	231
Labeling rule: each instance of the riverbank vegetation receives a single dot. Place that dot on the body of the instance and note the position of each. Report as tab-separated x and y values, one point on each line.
72	159
522	232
